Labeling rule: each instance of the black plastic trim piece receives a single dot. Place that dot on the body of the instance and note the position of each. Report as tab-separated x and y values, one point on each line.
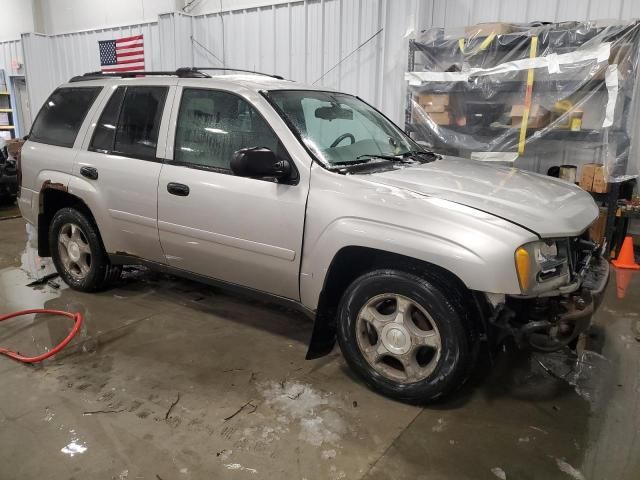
183	72
126	259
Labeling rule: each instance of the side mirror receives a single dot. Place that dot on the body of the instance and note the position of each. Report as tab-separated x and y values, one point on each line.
259	162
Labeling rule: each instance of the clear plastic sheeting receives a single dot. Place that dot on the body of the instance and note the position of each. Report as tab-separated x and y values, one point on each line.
536	96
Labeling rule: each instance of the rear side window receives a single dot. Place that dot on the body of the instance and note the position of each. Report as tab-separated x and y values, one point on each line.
130	122
61	116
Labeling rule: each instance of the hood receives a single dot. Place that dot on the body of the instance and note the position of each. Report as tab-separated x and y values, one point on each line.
547	206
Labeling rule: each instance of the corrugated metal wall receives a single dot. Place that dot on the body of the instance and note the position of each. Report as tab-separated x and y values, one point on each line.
9	51
52	60
298	40
456	13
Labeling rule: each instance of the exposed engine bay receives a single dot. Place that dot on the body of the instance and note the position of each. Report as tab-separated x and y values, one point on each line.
553	320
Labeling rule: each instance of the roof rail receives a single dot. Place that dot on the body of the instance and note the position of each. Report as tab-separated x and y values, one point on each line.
238	70
181	72
184	72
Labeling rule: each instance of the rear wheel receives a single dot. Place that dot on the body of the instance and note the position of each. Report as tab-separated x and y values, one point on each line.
403	336
78	253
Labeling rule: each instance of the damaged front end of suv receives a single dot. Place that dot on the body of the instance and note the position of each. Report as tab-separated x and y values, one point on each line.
562	281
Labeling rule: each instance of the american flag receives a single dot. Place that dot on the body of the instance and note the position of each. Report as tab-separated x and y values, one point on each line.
122	55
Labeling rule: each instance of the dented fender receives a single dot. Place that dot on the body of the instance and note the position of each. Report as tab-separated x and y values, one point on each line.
347	211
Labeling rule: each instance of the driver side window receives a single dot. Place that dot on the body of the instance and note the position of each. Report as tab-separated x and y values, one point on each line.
212	125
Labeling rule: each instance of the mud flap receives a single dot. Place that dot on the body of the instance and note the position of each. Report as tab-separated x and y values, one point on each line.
323	338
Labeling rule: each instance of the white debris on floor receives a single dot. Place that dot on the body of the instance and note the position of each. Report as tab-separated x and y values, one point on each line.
237	466
440	426
569	469
318	420
500	473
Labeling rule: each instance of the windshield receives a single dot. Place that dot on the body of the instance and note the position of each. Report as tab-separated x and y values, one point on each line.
341	129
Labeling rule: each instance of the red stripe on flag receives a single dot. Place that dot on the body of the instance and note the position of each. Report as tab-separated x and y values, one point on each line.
129	54
128	39
135	60
133	45
123	69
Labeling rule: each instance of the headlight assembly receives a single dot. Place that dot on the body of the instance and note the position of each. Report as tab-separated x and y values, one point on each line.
542	265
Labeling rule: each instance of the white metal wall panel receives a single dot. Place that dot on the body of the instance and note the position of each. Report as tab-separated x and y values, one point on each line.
9	51
76	53
299	40
447	13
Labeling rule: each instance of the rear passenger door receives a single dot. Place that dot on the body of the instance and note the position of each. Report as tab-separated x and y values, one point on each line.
119	167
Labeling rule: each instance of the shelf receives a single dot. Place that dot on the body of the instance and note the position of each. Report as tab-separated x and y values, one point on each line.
5	110
7	127
559	38
564	87
4	93
553	134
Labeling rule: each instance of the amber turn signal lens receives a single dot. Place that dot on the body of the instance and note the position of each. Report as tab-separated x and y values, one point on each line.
522	266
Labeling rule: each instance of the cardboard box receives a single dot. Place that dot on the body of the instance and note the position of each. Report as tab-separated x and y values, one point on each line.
485	29
440	118
538	116
586	176
598	228
433	102
600	184
14	147
593	178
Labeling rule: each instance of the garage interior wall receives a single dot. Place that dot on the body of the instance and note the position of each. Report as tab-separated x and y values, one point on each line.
16	16
300	40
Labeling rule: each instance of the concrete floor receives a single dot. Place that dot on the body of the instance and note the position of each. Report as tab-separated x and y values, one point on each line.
171	379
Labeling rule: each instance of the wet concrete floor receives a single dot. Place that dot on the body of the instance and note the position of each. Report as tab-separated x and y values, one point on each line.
171	379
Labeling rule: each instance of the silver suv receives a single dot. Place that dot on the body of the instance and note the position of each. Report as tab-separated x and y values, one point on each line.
312	198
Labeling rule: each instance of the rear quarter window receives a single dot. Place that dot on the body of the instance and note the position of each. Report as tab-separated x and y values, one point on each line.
61	116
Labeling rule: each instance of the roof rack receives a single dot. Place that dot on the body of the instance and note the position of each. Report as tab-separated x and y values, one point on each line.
199	69
184	72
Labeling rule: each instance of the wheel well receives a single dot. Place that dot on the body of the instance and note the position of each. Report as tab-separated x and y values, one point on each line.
52	200
352	262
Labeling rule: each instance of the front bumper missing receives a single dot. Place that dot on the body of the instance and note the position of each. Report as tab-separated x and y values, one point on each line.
551	322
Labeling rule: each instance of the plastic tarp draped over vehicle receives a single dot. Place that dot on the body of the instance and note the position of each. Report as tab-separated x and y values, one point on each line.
536	96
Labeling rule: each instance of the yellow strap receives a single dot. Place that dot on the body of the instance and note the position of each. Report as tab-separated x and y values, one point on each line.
485	43
527	98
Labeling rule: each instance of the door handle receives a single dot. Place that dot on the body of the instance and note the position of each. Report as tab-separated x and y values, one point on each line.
89	172
178	189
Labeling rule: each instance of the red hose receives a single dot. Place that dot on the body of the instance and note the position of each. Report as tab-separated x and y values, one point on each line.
76	317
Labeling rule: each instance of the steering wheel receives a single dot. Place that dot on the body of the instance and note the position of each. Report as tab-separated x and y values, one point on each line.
341	138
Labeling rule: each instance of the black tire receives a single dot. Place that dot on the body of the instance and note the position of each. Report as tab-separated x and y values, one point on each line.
101	273
456	349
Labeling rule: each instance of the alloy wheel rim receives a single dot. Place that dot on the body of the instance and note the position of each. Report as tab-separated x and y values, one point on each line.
75	252
398	338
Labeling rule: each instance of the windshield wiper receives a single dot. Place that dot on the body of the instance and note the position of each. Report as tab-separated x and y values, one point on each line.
420	153
367	157
360	159
370	156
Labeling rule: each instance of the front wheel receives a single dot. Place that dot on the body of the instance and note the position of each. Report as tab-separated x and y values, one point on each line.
78	253
403	337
